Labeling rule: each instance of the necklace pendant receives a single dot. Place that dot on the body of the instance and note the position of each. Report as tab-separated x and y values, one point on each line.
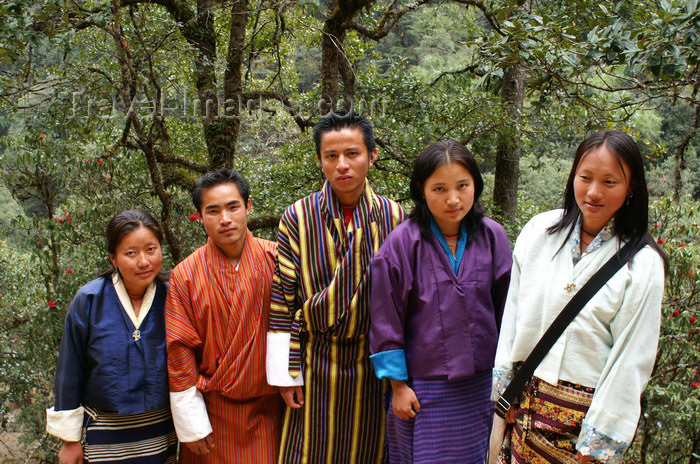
570	287
136	335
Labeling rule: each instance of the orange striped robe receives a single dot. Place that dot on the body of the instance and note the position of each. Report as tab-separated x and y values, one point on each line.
216	319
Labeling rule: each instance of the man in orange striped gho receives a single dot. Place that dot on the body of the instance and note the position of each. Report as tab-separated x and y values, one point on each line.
216	317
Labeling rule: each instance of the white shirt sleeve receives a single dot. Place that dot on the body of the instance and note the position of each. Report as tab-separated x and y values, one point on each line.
503	371
615	408
277	361
190	415
66	425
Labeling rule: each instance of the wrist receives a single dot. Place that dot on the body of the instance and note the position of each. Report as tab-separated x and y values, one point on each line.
398	385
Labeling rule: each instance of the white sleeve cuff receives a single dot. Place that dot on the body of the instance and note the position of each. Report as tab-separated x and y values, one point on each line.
66	425
277	361
190	415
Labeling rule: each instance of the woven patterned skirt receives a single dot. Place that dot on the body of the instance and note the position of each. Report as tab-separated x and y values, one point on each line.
548	423
146	438
452	425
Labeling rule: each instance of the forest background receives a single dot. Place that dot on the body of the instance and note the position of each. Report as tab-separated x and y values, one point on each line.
109	105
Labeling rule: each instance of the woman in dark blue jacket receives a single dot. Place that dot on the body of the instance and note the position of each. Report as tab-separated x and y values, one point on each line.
112	379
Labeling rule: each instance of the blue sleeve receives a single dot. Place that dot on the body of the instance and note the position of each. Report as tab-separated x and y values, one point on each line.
72	355
390	365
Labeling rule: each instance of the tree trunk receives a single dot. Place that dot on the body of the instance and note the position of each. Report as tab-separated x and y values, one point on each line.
505	191
223	132
334	62
332	42
220	131
680	164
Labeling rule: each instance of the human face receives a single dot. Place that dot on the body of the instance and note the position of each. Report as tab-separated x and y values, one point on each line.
225	217
138	257
600	187
449	193
345	162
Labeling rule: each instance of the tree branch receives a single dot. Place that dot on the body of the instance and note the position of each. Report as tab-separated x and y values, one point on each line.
288	106
179	10
388	20
471	68
488	14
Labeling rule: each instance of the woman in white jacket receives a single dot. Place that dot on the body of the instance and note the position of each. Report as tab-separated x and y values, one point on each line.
582	404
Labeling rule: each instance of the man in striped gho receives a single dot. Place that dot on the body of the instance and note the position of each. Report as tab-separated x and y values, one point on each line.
216	315
318	350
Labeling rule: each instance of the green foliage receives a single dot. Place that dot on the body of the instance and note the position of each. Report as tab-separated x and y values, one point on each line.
9	209
543	180
662	42
670	420
69	162
526	210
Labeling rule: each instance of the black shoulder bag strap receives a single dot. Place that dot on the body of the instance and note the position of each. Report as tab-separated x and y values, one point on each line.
572	308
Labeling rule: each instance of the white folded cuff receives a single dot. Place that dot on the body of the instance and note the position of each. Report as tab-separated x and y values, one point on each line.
277	361
66	425
190	415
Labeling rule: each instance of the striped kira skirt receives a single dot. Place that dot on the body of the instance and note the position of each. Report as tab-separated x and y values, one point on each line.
548	422
146	438
451	427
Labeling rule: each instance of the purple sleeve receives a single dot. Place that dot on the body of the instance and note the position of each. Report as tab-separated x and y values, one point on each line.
502	264
391	285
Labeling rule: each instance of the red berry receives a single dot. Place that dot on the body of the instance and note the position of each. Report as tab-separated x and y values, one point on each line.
193	217
100	163
693	319
659	241
52	304
676	313
69	271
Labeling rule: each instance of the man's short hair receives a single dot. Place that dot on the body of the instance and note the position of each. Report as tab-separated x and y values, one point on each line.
218	177
342	119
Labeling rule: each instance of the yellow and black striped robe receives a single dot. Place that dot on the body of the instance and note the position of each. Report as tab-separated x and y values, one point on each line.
321	296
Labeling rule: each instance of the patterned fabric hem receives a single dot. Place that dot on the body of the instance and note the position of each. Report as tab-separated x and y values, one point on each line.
145	438
501	380
600	446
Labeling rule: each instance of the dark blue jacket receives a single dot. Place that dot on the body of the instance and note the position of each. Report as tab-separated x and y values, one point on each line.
101	365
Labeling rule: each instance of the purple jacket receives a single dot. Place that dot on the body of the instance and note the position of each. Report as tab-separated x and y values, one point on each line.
441	324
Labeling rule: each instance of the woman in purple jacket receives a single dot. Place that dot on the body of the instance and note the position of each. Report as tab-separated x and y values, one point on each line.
439	284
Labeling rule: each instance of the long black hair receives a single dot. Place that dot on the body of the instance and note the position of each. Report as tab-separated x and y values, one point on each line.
124	223
631	221
432	157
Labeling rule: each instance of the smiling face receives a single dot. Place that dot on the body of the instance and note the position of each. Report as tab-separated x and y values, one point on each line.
225	217
138	257
449	194
345	162
601	186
